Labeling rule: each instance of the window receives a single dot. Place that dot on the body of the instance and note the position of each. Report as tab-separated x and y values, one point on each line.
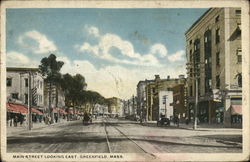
14	95
190	42
217	37
164	98
205	40
239	76
191	90
239	55
217	18
190	56
26	82
237	12
9	82
217	58
218	82
25	98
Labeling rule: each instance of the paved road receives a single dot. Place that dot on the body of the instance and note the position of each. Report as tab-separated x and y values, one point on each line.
120	136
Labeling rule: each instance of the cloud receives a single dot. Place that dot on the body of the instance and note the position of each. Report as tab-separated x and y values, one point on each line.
42	44
108	41
115	80
159	49
16	59
92	30
178	56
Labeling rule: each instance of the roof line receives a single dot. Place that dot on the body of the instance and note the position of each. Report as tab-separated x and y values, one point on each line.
203	15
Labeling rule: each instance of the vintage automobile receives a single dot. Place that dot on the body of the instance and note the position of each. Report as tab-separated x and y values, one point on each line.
163	121
87	119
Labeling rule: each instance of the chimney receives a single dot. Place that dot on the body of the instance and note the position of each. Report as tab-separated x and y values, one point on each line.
157	77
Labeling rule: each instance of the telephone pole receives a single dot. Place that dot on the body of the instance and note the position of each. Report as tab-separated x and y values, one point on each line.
29	103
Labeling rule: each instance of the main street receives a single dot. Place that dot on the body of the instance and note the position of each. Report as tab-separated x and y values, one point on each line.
106	135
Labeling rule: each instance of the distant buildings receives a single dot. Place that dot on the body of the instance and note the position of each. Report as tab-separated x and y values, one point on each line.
114	105
214	58
166	104
149	92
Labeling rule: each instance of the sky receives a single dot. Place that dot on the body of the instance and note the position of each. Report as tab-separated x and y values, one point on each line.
112	48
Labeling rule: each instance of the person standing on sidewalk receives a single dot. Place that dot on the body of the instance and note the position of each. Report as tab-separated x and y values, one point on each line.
15	121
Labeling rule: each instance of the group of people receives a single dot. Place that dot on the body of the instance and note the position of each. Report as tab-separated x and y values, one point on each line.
15	119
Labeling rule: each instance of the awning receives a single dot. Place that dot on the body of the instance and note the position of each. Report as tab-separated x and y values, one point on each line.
16	108
62	111
236	110
36	111
54	110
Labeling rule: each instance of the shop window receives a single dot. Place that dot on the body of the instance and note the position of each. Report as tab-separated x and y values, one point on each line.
9	82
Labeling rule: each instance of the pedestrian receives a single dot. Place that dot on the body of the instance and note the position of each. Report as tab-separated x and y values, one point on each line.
15	121
56	118
187	121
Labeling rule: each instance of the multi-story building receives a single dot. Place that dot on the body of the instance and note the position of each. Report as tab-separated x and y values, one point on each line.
141	99
18	86
180	101
152	93
114	105
213	50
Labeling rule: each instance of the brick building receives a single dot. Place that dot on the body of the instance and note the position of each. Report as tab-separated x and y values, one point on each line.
152	93
213	49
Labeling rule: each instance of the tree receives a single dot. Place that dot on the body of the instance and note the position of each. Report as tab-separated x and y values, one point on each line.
73	88
92	98
50	69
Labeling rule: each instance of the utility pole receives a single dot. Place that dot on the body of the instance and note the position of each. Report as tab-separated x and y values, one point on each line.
29	103
196	103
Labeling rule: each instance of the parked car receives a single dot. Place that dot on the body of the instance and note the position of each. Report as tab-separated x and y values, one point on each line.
163	121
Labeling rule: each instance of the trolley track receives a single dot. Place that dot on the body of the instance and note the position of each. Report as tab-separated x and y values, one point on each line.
111	140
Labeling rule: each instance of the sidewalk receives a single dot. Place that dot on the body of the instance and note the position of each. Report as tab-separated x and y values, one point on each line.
206	127
201	127
35	126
